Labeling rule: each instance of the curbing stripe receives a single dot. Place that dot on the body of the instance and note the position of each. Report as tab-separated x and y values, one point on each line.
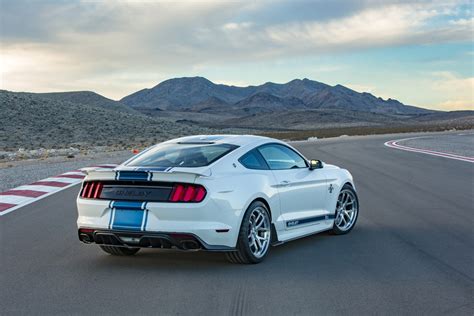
23	195
27	193
394	144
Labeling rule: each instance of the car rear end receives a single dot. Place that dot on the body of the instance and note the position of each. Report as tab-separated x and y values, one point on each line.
154	207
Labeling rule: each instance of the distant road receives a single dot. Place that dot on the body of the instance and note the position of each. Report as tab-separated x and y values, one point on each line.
412	252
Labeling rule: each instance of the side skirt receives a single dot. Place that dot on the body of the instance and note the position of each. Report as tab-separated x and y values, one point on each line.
302	236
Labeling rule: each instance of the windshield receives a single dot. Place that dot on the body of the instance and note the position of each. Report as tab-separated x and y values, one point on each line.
182	155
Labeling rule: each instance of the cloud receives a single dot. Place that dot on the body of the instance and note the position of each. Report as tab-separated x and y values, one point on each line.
456	93
453	105
115	46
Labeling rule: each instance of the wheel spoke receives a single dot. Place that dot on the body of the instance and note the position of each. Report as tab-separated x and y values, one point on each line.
260	224
343	218
259	244
346	197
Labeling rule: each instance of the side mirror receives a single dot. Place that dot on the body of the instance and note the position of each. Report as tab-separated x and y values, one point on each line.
315	164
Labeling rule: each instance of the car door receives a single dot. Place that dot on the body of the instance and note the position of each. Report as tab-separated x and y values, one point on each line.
302	191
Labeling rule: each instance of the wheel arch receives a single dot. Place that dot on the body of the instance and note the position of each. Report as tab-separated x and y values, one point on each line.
264	201
349	184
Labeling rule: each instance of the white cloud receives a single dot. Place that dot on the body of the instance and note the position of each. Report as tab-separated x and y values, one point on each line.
114	47
236	26
453	105
390	25
456	93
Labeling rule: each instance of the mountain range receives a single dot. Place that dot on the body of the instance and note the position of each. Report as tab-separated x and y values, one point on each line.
300	104
194	105
198	94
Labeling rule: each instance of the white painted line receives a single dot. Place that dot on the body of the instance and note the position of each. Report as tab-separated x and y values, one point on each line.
64	180
15	199
42	188
394	144
78	173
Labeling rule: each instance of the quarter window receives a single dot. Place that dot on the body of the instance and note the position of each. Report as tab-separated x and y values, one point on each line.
280	157
253	160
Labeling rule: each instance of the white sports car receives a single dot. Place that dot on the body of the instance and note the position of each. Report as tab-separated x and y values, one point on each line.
230	193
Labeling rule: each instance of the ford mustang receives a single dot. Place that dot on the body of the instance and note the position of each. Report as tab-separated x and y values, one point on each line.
230	193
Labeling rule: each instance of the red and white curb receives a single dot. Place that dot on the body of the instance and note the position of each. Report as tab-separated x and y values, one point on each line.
18	197
395	144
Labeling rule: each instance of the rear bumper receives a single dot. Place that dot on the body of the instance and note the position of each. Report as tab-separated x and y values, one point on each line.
160	240
213	223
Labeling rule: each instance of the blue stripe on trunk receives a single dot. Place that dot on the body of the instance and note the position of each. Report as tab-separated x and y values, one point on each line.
132	175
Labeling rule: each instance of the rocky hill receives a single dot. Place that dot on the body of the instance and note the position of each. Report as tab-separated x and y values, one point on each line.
86	97
32	121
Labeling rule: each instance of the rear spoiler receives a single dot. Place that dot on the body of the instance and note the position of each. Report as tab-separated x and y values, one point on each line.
143	174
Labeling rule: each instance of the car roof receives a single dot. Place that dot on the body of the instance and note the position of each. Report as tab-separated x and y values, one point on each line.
239	140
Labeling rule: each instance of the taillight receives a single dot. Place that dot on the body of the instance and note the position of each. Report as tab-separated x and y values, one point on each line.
92	190
187	193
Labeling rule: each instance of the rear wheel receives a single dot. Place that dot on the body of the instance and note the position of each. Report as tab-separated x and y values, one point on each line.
347	211
119	251
254	235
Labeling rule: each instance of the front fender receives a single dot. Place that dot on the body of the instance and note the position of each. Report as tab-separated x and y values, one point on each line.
337	178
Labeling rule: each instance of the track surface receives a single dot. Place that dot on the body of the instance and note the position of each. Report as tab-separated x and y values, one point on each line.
412	252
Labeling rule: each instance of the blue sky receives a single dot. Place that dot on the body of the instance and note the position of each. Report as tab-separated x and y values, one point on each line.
419	52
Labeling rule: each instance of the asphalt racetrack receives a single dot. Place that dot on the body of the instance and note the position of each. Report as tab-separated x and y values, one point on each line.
411	252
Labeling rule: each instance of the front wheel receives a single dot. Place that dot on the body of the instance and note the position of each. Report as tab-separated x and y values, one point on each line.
347	211
119	251
254	235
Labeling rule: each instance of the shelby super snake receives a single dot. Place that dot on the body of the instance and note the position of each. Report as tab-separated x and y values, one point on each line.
230	193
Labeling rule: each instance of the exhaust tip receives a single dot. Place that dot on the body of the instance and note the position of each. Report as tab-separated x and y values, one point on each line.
190	245
85	238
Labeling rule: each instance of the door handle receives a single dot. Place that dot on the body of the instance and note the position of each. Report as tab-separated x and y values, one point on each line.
285	182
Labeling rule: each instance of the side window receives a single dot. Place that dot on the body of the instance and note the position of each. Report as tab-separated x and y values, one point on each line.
281	157
253	160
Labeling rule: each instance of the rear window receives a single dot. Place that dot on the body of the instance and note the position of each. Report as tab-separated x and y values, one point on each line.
182	155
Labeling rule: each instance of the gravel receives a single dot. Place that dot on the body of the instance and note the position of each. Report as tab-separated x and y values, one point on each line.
14	174
459	143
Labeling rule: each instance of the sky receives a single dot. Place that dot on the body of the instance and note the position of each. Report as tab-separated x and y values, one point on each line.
418	52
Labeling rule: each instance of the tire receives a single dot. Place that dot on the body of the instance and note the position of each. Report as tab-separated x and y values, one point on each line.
119	251
347	211
255	231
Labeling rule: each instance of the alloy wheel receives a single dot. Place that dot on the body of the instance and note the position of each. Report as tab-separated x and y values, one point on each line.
259	232
346	210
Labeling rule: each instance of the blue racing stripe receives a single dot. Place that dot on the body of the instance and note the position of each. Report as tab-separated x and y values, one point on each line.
128	205
127	215
133	175
307	220
128	219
